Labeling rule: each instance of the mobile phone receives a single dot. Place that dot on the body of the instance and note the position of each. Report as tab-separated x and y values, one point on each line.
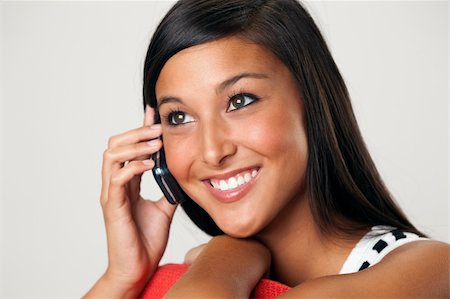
165	180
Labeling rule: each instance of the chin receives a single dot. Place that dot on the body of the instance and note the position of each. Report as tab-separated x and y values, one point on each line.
242	228
238	235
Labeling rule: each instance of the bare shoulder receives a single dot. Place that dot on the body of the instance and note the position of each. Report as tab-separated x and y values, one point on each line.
418	269
419	253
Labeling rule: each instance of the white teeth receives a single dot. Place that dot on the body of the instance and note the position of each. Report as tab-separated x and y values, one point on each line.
223	185
233	182
247	177
215	185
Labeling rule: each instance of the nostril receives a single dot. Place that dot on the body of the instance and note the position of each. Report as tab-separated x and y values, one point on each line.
217	144
216	154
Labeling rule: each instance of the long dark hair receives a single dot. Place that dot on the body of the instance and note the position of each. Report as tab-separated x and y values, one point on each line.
345	188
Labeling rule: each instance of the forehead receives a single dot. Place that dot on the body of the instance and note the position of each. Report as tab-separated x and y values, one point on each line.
213	61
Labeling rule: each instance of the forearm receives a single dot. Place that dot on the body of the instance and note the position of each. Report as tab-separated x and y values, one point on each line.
226	268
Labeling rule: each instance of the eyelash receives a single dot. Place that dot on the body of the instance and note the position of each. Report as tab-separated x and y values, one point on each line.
169	116
244	95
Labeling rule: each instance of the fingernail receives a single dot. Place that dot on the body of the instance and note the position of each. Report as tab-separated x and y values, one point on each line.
153	143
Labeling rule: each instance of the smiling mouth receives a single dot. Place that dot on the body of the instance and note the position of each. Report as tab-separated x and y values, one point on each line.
235	181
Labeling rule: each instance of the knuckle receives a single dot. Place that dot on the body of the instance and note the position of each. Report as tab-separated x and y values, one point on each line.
112	141
136	147
107	154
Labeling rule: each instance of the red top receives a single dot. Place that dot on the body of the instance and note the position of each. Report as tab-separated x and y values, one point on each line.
167	275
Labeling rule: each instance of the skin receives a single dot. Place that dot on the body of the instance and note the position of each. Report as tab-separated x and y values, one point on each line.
270	229
221	141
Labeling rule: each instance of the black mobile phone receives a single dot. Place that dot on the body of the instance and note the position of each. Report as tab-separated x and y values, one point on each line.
165	180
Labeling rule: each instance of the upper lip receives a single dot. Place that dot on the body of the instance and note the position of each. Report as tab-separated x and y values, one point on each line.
231	173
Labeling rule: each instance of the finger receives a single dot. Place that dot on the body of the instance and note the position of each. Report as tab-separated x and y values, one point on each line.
167	208
117	186
134	187
114	160
135	136
149	116
131	152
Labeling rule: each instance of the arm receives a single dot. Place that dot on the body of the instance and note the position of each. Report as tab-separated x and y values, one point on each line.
226	268
416	270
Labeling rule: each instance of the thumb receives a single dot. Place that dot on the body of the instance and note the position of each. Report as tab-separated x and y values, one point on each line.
167	208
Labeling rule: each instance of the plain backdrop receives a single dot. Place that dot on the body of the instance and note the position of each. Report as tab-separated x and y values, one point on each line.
71	77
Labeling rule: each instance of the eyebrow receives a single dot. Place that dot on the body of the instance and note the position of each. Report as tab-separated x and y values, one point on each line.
234	79
225	84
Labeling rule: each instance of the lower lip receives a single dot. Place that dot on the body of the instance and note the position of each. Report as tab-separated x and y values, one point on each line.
234	194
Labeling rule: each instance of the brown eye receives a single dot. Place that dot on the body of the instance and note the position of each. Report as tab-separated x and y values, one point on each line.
178	118
240	100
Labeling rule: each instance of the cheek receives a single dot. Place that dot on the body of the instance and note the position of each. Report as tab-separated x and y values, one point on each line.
276	133
178	156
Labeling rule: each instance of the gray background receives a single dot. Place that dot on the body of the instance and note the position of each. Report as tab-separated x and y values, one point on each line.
71	77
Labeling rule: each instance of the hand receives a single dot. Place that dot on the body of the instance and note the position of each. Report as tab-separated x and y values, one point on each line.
137	230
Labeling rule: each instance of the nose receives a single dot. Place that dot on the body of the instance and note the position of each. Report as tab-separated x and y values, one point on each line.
217	144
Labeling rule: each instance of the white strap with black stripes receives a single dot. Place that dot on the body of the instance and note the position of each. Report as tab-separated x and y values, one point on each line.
375	245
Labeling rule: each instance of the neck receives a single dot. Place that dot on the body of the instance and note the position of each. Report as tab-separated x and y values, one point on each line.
300	251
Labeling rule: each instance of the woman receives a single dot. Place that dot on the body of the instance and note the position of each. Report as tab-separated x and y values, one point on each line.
260	134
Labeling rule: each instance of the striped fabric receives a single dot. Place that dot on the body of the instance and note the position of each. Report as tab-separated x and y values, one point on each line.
375	245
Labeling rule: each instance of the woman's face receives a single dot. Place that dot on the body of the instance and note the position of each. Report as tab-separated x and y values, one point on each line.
234	133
